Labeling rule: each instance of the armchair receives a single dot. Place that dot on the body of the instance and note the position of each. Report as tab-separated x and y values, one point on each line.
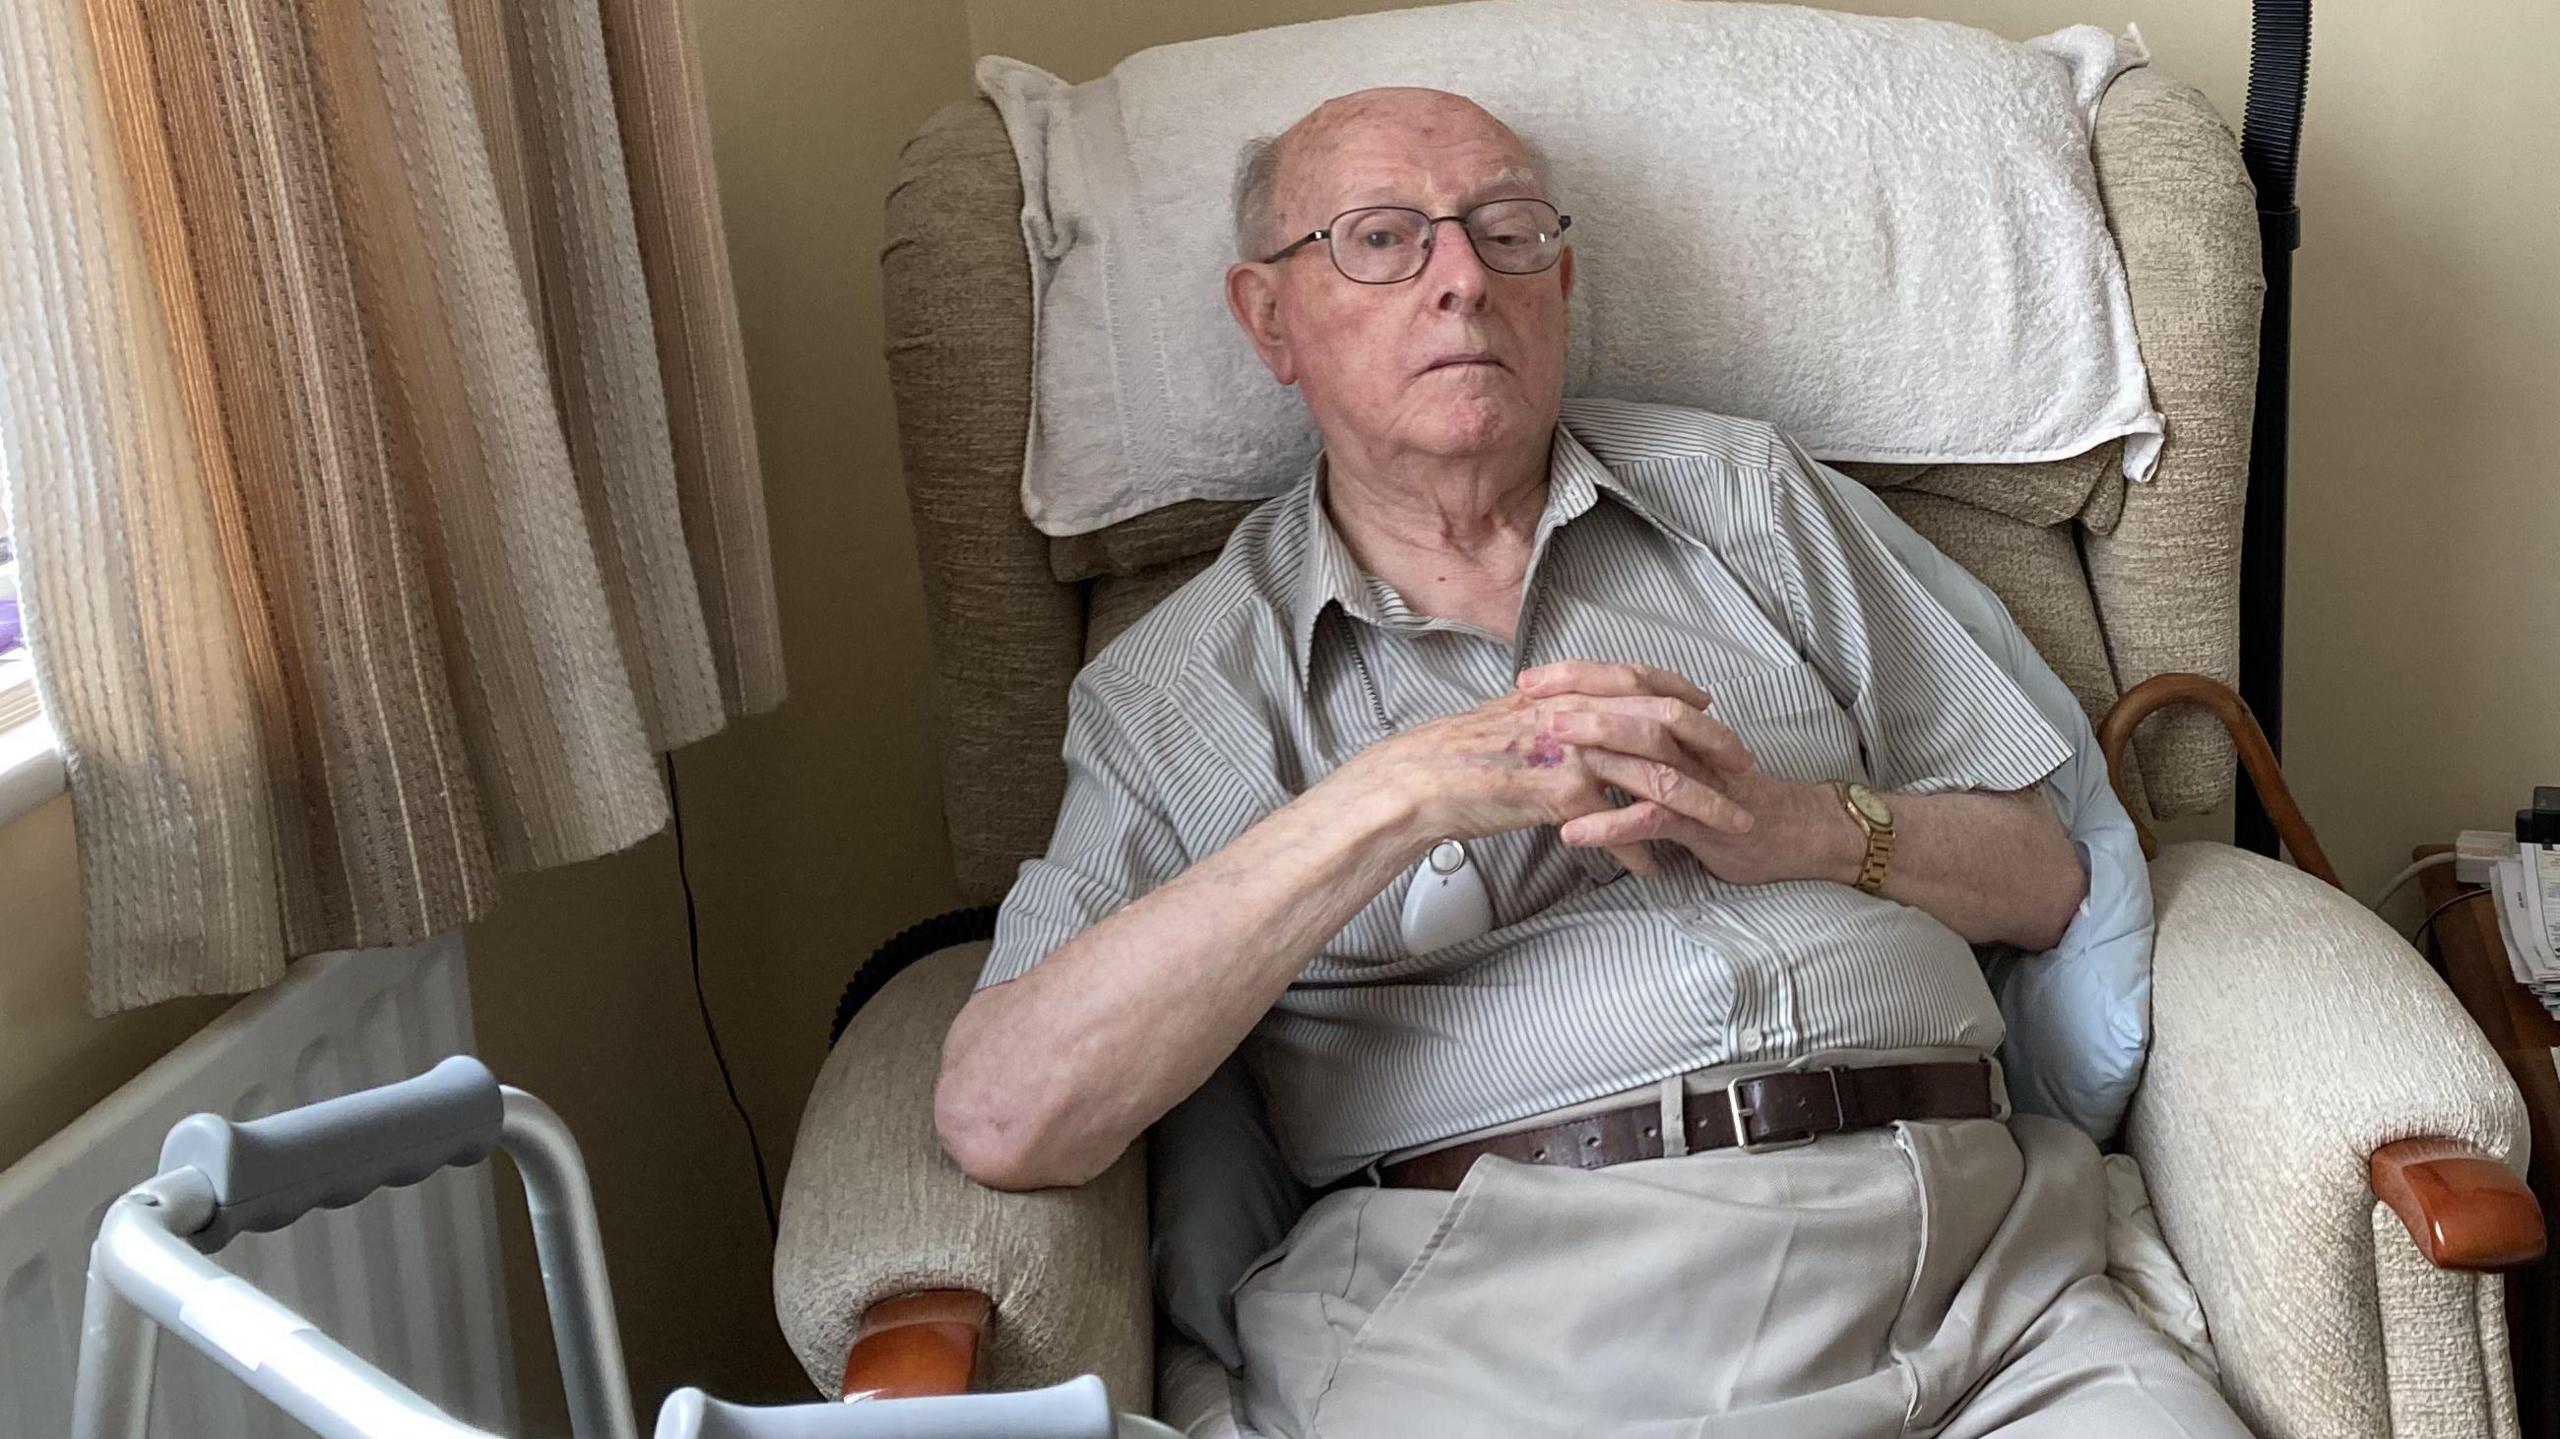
2305	1059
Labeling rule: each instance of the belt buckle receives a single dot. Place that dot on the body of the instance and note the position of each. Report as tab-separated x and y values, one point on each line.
1742	1113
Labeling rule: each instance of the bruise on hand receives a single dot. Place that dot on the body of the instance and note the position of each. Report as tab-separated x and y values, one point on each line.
1544	750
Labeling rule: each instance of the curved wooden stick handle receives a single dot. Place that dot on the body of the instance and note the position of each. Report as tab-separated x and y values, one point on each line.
2256	757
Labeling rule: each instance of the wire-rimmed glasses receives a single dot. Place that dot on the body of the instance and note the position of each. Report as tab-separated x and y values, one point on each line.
1389	244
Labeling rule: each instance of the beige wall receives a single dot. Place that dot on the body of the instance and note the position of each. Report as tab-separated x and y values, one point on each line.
55	1060
2428	338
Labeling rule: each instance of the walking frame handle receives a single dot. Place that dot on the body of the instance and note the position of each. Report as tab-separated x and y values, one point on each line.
1077	1409
148	1268
267	1173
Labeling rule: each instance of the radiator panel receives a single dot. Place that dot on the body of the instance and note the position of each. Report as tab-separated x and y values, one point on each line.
408	1278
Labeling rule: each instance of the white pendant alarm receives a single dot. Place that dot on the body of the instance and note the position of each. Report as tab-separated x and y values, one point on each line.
1448	901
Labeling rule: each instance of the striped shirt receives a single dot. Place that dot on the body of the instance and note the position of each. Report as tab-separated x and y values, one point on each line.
1708	546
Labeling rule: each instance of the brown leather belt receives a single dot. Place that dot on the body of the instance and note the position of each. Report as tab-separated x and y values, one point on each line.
1768	1111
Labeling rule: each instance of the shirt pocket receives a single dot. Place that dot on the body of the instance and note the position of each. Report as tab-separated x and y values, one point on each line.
1786	716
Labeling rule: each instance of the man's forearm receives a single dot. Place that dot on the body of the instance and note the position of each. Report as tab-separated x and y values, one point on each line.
1992	867
1048	1077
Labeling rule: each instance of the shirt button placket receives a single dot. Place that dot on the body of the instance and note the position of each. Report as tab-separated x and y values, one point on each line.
1691	915
1747	1032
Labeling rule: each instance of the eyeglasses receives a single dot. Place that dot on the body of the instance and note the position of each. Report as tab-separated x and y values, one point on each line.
1389	244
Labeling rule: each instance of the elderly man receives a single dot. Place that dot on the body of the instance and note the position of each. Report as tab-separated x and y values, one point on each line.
1581	820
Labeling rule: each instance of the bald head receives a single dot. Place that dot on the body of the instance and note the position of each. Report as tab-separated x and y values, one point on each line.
1290	173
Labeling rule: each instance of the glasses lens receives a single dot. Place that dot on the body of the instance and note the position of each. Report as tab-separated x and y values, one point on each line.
1517	237
1377	247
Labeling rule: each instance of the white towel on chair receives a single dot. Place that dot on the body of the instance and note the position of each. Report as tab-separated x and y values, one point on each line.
1883	235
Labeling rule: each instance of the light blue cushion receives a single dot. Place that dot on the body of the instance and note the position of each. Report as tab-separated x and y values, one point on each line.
2079	1014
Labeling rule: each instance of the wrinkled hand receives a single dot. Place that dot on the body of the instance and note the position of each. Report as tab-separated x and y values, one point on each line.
1647	732
1525	759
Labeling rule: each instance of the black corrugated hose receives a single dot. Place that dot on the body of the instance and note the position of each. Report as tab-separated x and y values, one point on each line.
2270	139
959	926
2279	71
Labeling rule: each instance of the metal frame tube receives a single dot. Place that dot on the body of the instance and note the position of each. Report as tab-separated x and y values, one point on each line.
570	1246
142	1271
145	1275
111	1391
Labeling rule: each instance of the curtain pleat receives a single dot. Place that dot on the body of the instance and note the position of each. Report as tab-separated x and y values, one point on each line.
120	567
365	556
377	840
604	361
546	704
675	198
480	28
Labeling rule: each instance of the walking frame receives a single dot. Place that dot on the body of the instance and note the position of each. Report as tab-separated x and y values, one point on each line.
151	1268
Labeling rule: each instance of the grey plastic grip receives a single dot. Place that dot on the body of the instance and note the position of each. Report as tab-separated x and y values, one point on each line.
267	1173
1077	1409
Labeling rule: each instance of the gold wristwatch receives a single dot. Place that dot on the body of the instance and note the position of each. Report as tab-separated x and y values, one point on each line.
1875	818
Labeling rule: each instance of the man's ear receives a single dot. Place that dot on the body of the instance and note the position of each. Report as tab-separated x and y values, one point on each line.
1565	278
1253	297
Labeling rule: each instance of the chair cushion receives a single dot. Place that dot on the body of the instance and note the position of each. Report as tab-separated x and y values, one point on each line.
1882	234
873	1208
2165	568
2046	493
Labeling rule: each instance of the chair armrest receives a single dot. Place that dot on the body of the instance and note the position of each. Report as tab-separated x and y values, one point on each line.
2462	1208
873	1210
2295	1034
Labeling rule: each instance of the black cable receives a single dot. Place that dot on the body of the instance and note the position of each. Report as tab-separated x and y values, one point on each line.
2420	935
702	1002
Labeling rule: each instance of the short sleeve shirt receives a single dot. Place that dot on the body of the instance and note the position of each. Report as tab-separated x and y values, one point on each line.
1698	543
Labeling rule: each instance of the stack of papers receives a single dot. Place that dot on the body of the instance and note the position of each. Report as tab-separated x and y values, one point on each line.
2527	886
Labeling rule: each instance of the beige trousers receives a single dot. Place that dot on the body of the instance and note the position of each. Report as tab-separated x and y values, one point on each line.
1935	1279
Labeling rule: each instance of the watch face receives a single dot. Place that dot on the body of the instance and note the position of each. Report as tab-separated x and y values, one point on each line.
1869	804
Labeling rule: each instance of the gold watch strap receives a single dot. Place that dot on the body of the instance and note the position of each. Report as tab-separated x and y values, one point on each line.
1879	857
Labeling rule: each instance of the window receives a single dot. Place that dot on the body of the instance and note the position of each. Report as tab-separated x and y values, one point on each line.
17	674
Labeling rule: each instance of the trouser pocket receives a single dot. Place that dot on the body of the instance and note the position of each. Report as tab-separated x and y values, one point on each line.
1640	1298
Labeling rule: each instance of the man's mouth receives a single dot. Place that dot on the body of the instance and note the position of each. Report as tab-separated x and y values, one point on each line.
1474	358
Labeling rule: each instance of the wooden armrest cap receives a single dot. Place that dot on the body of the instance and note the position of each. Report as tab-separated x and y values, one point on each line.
2464	1209
917	1345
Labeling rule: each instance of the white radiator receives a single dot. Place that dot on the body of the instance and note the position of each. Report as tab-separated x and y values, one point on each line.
408	1278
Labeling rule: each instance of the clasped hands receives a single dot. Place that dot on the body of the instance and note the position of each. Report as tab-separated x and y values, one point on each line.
1550	751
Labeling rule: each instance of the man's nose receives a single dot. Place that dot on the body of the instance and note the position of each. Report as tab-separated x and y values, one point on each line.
1457	279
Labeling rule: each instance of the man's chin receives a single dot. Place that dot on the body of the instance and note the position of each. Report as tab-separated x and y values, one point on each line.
1481	424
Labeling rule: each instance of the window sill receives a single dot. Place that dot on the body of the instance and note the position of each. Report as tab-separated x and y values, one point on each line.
30	767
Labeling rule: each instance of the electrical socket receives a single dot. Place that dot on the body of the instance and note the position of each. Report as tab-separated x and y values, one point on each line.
2475	850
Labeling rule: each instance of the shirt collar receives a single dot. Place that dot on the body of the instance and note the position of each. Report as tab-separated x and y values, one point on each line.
1330	576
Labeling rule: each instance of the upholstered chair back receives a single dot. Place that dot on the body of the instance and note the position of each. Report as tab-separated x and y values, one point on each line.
2113	581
